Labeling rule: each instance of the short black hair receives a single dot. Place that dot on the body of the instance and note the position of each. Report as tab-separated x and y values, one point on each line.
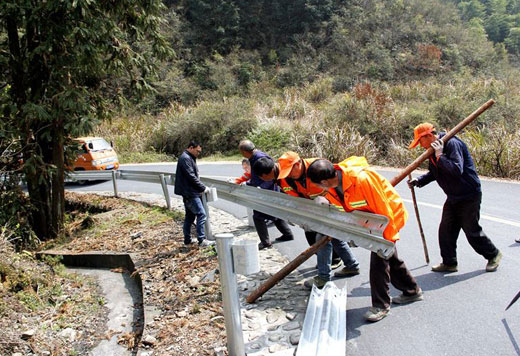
246	160
263	165
194	143
321	169
246	146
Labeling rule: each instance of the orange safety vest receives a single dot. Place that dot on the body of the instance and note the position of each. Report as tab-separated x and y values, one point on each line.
244	178
296	189
366	190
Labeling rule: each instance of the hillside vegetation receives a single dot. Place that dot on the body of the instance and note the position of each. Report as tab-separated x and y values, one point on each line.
342	79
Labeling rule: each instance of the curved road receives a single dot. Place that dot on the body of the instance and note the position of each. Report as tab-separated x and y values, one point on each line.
462	314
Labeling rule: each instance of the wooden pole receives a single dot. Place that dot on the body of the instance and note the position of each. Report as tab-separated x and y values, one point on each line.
416	208
281	274
410	168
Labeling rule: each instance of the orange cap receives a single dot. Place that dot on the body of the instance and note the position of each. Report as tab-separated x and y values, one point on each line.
420	131
286	162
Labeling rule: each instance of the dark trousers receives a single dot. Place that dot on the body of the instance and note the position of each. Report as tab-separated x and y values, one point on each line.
194	208
311	240
260	220
383	272
463	215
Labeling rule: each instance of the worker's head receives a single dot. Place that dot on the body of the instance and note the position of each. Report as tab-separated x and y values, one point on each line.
246	148
265	169
423	134
322	173
246	165
194	148
290	166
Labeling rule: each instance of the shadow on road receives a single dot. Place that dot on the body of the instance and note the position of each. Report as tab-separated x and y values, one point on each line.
435	280
511	336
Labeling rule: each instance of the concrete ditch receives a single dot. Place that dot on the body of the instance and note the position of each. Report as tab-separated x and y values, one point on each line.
123	291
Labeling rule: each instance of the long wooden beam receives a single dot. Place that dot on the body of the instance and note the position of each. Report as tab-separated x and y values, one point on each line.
412	166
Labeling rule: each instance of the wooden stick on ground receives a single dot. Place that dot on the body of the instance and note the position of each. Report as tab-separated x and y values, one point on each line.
416	208
291	266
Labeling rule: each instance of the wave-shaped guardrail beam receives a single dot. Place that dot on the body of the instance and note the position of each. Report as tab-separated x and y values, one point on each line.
361	228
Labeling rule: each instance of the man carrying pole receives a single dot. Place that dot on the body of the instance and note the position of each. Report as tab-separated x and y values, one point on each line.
452	167
353	185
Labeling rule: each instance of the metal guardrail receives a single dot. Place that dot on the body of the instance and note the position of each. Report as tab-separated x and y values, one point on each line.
361	228
325	326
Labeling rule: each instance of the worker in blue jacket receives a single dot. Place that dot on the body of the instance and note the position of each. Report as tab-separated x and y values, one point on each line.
452	167
249	151
189	186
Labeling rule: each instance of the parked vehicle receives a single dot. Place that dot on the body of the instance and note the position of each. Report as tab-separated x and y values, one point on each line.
95	154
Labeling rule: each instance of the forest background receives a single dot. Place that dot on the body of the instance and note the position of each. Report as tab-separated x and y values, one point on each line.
324	78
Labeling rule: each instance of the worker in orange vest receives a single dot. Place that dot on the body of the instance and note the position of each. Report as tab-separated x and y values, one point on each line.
353	185
290	174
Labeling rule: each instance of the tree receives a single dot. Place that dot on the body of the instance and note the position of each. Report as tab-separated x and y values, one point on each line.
513	40
62	61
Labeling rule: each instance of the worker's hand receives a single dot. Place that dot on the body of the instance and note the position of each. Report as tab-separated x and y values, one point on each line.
321	201
412	183
438	147
206	190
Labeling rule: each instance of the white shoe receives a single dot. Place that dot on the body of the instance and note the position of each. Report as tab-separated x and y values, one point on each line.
206	243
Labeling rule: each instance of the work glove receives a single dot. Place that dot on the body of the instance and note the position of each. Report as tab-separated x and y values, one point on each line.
206	190
438	147
321	201
413	183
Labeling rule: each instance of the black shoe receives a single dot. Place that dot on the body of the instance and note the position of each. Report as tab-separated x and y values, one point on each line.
261	246
284	238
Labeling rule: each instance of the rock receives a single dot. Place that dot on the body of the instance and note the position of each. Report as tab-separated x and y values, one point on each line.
275	338
136	235
209	277
149	340
294	338
17	354
26	335
276	348
290	316
220	351
293	325
69	334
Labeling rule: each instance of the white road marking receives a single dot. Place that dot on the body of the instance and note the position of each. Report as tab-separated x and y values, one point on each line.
482	216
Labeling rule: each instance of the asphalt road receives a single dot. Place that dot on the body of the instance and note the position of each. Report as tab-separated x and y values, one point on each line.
463	312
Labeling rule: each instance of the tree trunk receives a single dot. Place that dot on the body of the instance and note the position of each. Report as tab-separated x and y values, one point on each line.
58	176
40	202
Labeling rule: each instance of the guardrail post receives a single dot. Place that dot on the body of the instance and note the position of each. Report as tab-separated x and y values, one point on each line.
114	182
165	191
250	221
207	226
230	301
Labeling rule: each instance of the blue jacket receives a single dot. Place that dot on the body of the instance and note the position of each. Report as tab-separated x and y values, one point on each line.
255	180
454	171
187	182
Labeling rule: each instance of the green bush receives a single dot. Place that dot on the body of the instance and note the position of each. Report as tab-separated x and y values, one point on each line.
495	149
219	126
271	136
312	139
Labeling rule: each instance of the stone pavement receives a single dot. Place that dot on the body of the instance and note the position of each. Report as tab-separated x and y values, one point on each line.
272	325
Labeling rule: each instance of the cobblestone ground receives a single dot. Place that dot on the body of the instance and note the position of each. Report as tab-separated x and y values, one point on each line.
272	325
